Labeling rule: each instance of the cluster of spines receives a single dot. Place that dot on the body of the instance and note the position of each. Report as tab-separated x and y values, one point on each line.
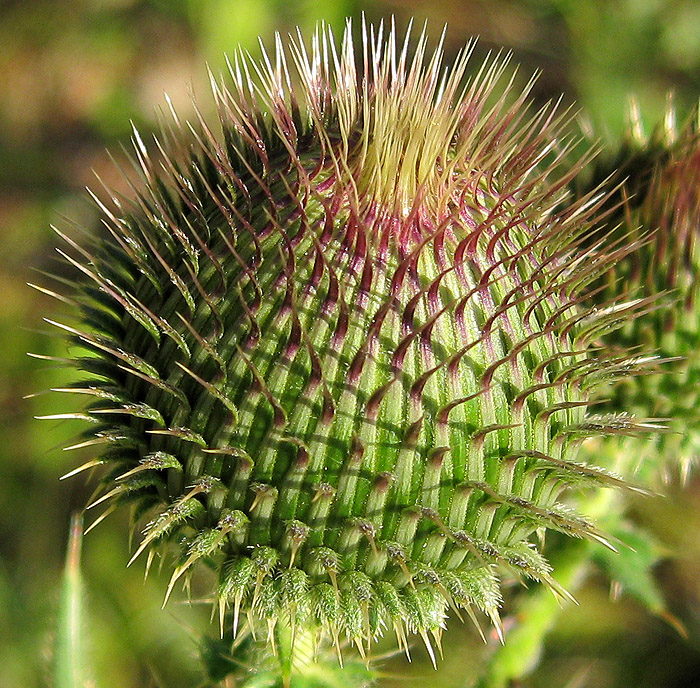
356	392
657	204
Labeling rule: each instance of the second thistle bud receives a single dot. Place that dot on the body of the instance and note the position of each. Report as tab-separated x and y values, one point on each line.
657	205
339	354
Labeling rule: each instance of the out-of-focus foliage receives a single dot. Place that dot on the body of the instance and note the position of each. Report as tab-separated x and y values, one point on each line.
73	74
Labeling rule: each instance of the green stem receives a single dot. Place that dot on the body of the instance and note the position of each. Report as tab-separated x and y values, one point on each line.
68	662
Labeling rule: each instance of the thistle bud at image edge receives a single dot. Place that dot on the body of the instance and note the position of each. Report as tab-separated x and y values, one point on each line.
657	204
343	353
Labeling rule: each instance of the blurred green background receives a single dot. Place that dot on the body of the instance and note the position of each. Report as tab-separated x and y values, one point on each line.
73	73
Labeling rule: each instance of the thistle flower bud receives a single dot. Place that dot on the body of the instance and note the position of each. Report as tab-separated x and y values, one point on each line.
340	352
658	206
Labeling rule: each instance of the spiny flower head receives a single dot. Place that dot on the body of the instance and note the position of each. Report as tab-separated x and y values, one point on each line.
659	206
339	353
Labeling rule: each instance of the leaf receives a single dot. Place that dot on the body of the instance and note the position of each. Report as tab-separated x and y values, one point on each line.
631	570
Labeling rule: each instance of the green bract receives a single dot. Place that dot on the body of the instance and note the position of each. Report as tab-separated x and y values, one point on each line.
339	352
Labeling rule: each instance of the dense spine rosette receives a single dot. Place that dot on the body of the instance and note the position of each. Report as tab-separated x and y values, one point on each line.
339	354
